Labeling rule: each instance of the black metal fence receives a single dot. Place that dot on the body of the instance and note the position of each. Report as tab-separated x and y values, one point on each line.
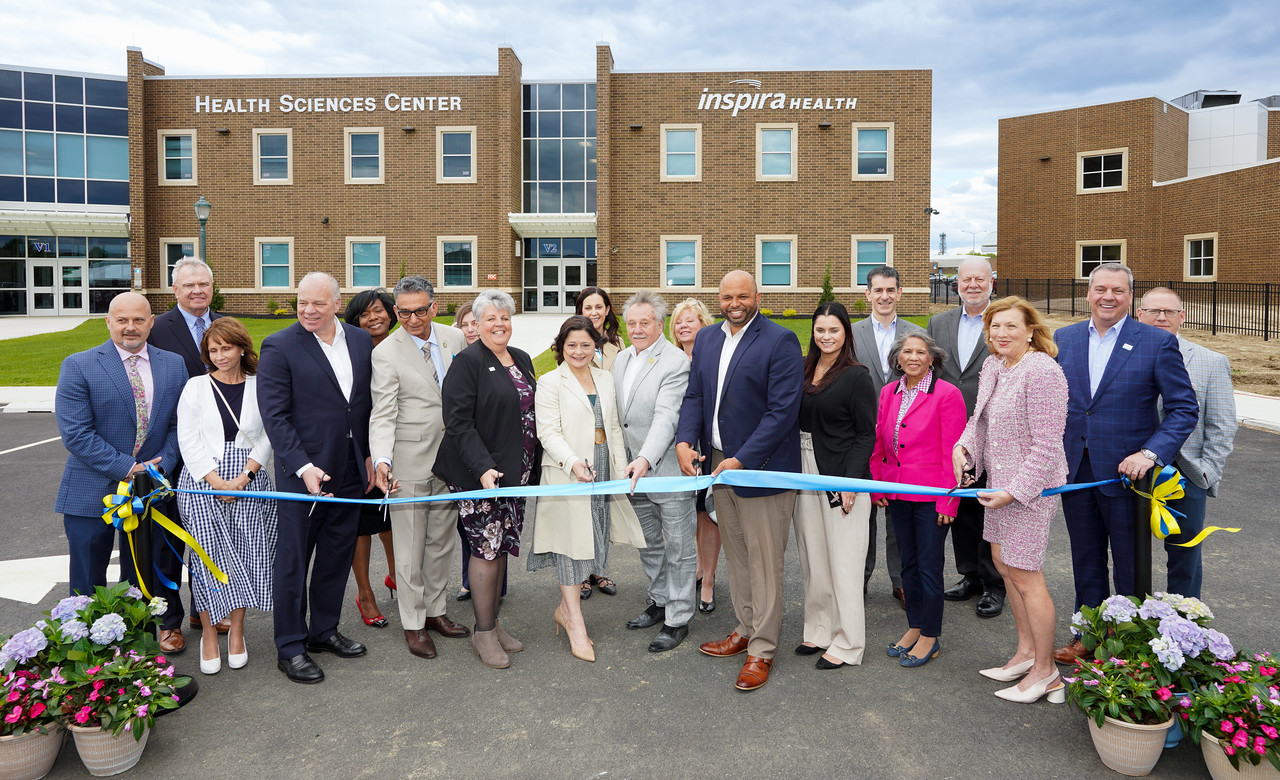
1228	307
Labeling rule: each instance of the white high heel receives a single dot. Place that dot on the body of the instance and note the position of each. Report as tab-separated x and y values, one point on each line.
211	666
1050	686
1009	674
237	660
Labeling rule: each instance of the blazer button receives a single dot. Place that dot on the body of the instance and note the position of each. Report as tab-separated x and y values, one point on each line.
624	425
1088	414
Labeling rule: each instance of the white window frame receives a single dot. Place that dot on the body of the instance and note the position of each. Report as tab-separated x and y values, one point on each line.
853	254
1124	171
795	261
888	165
257	260
381	241
162	181
440	177
1186	257
257	148
1080	245
697	152
475	264
165	243
794	127
347	178
697	262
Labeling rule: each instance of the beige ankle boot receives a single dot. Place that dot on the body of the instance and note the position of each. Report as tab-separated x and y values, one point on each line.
508	642
486	646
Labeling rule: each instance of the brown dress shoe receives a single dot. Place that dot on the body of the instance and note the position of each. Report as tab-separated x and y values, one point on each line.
1069	653
443	626
171	641
755	673
731	645
420	643
223	625
901	597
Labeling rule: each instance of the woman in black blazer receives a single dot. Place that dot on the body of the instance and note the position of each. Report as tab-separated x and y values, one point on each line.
490	441
837	433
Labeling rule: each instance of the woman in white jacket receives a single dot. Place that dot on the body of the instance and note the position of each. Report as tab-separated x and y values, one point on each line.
225	448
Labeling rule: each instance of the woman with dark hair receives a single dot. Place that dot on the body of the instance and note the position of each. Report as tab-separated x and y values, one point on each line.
224	448
375	312
837	432
594	304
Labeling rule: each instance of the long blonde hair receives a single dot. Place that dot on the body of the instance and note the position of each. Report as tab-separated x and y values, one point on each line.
1041	338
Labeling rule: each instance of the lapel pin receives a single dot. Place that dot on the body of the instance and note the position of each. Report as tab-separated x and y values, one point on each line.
491	368
1128	346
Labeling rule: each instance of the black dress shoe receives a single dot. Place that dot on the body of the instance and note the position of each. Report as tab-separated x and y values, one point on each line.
991	604
301	669
707	606
668	638
803	649
652	616
963	590
339	645
606	586
824	664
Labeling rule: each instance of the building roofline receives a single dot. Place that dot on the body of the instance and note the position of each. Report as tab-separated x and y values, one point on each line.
267	76
1093	105
776	70
59	72
1243	167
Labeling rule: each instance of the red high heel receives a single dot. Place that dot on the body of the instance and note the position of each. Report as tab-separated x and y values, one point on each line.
377	621
391	586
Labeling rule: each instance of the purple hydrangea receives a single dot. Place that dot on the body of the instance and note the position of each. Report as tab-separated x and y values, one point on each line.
1155	608
107	629
1219	645
133	592
1118	609
1189	637
68	607
1168	652
1078	621
74	630
23	646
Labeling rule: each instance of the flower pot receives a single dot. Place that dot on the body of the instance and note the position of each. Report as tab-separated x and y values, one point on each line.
1129	748
1220	768
31	755
105	754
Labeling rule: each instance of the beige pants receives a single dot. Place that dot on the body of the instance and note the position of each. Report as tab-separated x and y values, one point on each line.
422	538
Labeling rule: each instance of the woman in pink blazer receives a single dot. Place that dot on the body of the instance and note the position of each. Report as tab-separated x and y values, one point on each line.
919	421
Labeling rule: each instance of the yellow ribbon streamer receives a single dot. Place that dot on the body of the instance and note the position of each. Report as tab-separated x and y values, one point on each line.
1169	487
125	510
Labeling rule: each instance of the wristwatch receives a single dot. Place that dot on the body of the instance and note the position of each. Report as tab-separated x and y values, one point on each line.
250	474
1148	453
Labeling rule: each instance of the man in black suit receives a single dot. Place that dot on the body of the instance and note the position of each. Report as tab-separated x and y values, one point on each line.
313	392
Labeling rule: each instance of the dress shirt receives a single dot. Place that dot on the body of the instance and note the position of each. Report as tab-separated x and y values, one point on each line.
340	360
144	368
191	322
632	373
731	342
884	342
436	359
968	334
1101	345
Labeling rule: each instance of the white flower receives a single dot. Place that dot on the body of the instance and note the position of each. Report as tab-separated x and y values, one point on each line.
157	606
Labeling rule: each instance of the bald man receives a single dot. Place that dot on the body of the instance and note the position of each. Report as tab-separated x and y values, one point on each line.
116	408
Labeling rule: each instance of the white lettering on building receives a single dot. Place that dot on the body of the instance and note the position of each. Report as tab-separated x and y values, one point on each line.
736	102
290	104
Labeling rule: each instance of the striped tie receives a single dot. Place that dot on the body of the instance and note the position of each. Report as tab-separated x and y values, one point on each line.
199	330
140	403
431	364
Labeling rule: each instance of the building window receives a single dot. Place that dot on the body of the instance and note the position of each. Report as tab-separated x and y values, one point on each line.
173	250
873	151
776	261
776	152
870	251
363	153
364	261
177	157
682	261
1106	170
559	148
272	153
681	153
456	155
275	262
456	262
1201	255
1092	254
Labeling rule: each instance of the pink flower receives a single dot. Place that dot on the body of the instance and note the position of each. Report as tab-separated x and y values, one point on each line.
1228	750
36	709
83	715
141	712
145	690
13	716
1270	731
1259	745
1164	693
1227	727
55	674
1185	701
1267	671
93	696
1232	678
92	670
160	660
120	690
1241	739
14	695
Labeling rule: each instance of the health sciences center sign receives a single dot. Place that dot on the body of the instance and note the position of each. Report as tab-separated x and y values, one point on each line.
302	105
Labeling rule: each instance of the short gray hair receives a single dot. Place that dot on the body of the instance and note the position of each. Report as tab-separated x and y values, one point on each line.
333	283
1126	270
936	354
414	284
986	264
493	298
650	297
190	262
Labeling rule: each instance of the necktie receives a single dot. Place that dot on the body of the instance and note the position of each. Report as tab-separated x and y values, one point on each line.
199	330
431	364
139	403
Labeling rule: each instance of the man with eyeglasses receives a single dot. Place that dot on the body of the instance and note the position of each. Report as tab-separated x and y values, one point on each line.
1204	454
405	429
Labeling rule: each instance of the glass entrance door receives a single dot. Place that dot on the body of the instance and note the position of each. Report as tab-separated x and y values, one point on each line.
58	287
559	281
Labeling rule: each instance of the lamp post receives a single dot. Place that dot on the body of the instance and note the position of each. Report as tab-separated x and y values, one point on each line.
974	248
203	207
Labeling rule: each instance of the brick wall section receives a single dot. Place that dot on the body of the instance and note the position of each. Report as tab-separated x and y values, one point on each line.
1169	136
604	178
1273	133
136	69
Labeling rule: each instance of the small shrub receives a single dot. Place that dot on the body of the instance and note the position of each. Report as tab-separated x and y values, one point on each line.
451	308
218	301
293	303
828	291
767	312
788	312
272	306
860	305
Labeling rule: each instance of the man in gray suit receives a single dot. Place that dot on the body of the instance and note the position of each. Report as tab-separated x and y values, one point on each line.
1204	454
651	376
872	338
960	333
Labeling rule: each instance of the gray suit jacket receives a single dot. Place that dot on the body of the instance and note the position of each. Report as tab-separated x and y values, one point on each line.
864	347
963	373
1204	454
651	410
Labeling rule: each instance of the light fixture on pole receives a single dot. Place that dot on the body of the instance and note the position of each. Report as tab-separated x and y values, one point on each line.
203	207
973	249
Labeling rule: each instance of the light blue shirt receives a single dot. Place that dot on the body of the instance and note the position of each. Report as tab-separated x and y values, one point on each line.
968	334
191	322
1101	345
436	358
884	342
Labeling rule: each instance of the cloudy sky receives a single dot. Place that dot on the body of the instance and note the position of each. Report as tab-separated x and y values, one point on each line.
990	58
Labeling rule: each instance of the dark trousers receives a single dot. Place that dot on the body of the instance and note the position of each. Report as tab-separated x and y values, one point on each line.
973	554
1095	520
466	561
325	543
1185	571
922	544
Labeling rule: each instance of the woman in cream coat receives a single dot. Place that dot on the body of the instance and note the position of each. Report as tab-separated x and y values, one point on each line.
581	442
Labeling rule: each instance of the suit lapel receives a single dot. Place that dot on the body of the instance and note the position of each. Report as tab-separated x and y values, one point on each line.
753	332
1126	342
182	334
413	356
311	346
110	361
575	387
649	364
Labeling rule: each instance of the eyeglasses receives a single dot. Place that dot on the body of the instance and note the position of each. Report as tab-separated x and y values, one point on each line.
421	314
1169	313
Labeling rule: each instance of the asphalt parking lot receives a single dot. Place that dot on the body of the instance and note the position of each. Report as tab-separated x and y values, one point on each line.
634	714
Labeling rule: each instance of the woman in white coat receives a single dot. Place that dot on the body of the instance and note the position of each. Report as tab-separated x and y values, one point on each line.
582	441
225	448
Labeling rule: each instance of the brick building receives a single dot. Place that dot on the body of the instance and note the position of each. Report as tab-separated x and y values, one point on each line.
630	180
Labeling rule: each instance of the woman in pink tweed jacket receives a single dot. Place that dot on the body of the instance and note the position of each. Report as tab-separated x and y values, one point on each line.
1015	436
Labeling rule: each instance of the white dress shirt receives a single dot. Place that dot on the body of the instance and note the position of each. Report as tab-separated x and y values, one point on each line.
731	342
436	359
884	342
632	374
340	361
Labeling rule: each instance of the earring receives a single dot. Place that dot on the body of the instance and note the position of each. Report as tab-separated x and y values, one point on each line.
1028	339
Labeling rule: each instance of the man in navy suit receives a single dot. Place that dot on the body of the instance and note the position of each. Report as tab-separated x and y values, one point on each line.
1117	371
116	407
313	392
742	407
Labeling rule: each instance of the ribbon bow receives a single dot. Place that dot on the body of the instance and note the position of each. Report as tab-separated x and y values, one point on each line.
1170	486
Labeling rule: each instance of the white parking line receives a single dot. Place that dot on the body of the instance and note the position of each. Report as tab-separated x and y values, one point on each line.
32	444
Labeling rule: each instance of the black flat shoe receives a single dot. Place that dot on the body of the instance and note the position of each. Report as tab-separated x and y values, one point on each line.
605	585
584	592
339	645
668	638
807	650
464	594
707	606
301	669
825	664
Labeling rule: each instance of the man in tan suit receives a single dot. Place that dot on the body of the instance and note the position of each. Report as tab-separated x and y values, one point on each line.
405	431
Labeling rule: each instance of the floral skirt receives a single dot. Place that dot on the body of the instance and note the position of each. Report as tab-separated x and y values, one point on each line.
491	525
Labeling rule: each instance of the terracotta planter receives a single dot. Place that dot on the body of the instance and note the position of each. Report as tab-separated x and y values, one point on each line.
30	756
1220	768
1129	748
105	754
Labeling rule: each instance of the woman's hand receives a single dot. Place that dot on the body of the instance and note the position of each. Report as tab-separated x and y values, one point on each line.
583	471
881	502
996	499
945	519
959	462
846	501
489	479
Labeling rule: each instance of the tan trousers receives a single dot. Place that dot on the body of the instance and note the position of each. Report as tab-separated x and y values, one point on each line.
423	537
754	533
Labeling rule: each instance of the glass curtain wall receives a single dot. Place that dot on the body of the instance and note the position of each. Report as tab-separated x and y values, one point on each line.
559	148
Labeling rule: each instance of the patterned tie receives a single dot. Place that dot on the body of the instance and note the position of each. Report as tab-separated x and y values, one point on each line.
199	330
431	364
139	402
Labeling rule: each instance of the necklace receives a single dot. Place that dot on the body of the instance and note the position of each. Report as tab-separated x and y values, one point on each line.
1025	352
